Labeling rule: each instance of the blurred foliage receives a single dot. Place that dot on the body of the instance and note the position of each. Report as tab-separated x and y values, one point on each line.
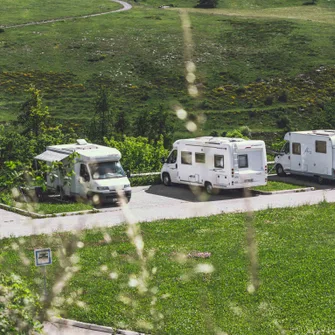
19	307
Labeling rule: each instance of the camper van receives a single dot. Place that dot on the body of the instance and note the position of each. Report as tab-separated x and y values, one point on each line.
98	174
309	153
216	163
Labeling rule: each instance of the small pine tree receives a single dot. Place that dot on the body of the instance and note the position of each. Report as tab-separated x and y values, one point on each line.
33	116
101	124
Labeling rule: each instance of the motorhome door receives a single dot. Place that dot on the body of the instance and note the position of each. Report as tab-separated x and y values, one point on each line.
171	165
83	180
296	157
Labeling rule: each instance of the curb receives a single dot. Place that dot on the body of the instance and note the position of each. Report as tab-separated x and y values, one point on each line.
43	216
295	190
91	326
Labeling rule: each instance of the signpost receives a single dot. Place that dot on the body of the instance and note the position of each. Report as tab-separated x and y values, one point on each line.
43	257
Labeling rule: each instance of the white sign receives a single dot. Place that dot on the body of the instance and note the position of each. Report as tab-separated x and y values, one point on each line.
43	257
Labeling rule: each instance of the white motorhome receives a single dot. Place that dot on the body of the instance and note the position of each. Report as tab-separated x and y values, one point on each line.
98	174
309	153
216	163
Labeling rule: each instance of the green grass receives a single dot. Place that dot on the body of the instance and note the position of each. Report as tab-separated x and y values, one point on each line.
295	256
53	207
246	53
23	11
276	186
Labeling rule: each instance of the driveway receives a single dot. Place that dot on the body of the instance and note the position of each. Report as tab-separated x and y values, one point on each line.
158	202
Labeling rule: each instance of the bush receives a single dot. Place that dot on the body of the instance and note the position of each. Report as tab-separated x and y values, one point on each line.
309	3
245	131
139	154
283	97
207	4
19	307
269	100
283	122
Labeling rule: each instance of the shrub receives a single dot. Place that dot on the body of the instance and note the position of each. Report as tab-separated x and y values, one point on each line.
19	307
283	97
269	100
139	154
309	3
283	122
214	133
207	4
245	131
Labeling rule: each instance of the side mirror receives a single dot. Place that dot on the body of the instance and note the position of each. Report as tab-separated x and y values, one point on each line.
163	160
128	174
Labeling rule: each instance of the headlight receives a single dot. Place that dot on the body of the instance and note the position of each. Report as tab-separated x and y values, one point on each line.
102	188
126	186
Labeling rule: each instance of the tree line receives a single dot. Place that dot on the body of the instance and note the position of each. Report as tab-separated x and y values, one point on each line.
142	142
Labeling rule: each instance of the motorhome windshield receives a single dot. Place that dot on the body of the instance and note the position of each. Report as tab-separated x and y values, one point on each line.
106	170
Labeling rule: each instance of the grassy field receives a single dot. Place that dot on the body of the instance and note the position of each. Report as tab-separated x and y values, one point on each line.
196	274
53	207
256	62
276	186
23	11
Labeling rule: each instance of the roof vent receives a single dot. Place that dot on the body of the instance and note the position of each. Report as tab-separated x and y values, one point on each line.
81	142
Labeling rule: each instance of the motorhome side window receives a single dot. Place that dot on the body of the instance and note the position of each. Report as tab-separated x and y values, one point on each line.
172	157
84	172
286	148
219	161
242	161
296	148
186	157
321	146
200	157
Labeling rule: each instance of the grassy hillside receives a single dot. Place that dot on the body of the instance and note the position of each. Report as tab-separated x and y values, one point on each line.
22	11
254	62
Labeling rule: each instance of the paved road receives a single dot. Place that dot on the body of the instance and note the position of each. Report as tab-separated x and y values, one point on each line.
158	202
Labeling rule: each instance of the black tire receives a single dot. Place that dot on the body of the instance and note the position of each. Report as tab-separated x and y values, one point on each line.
208	187
61	193
320	180
166	179
280	170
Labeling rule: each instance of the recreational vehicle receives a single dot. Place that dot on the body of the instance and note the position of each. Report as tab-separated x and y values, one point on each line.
309	153
216	163
97	172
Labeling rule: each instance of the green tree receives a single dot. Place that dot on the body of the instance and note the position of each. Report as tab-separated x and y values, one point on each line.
102	122
33	116
122	123
155	124
18	146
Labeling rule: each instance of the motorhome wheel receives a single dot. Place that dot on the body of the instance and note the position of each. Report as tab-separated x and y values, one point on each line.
166	179
208	187
320	180
280	170
61	192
